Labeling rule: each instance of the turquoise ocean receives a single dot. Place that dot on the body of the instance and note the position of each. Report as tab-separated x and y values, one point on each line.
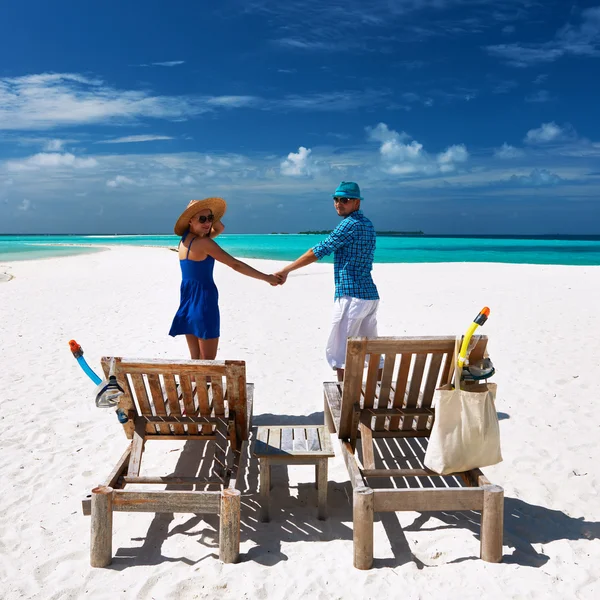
565	250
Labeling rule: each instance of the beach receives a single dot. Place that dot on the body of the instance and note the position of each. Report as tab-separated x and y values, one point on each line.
56	445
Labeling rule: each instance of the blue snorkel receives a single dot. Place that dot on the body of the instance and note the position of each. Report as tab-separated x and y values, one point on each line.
77	351
108	391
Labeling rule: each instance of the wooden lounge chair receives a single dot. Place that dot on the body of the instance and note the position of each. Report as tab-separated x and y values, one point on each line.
392	419
167	400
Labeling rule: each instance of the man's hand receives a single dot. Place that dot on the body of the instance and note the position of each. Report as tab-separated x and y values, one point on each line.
282	276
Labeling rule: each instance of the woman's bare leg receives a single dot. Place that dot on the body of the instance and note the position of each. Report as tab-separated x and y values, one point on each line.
194	345
208	348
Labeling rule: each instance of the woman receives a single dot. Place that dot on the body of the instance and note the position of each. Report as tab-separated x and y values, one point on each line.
198	315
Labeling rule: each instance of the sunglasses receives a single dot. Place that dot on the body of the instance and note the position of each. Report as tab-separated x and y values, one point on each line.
342	200
203	219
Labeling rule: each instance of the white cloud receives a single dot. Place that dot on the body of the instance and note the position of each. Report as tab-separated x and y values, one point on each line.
25	205
52	100
50	160
188	180
537	178
48	100
548	132
169	63
452	155
135	138
119	181
506	151
570	40
405	158
233	101
297	163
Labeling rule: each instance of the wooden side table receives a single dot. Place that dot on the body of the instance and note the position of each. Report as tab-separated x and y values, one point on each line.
293	445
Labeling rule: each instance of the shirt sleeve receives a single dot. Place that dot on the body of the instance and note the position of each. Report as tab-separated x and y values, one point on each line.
338	238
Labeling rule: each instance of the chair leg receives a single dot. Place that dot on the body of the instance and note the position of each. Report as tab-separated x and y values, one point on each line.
265	487
322	487
229	526
101	527
492	523
363	527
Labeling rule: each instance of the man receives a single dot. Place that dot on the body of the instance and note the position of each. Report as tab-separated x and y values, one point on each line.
356	299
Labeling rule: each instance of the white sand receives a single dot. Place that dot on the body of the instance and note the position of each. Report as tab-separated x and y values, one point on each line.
56	445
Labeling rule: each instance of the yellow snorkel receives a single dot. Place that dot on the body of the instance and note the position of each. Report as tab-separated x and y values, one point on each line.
480	319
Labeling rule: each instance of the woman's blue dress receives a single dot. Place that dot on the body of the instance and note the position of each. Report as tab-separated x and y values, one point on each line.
198	312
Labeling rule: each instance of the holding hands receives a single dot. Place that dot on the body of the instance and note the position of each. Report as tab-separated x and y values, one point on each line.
276	278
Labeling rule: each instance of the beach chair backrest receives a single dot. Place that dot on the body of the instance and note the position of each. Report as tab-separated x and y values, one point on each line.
185	388
413	367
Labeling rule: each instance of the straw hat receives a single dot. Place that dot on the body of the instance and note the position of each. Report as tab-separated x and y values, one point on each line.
217	206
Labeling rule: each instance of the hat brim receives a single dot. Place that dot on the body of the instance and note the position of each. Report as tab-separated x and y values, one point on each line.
342	195
217	206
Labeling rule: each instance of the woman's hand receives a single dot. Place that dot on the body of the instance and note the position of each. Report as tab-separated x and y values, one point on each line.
273	280
217	229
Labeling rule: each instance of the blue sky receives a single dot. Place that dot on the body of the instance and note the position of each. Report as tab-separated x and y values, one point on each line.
454	116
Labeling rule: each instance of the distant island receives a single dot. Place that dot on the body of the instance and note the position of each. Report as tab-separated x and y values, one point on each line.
381	233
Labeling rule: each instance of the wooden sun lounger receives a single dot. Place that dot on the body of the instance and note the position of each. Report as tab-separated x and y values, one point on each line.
168	400
396	413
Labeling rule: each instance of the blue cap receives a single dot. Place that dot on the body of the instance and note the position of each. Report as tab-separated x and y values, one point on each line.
347	189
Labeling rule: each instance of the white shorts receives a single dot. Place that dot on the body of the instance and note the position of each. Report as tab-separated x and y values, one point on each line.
352	317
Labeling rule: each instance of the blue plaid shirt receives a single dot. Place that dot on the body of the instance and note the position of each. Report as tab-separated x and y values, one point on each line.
353	245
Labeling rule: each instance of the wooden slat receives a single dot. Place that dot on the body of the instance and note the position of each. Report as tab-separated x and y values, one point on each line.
313	443
355	360
385	388
429	388
158	400
299	443
400	390
205	368
261	443
398	473
275	438
220	464
142	396
366	440
325	439
137	447
287	440
167	501
172	480
355	423
415	387
237	397
409	344
386	380
185	385
332	393
173	400
371	384
367	413
356	479
202	401
171	420
218	406
428	499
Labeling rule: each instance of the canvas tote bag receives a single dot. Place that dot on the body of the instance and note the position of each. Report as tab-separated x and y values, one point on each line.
465	433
